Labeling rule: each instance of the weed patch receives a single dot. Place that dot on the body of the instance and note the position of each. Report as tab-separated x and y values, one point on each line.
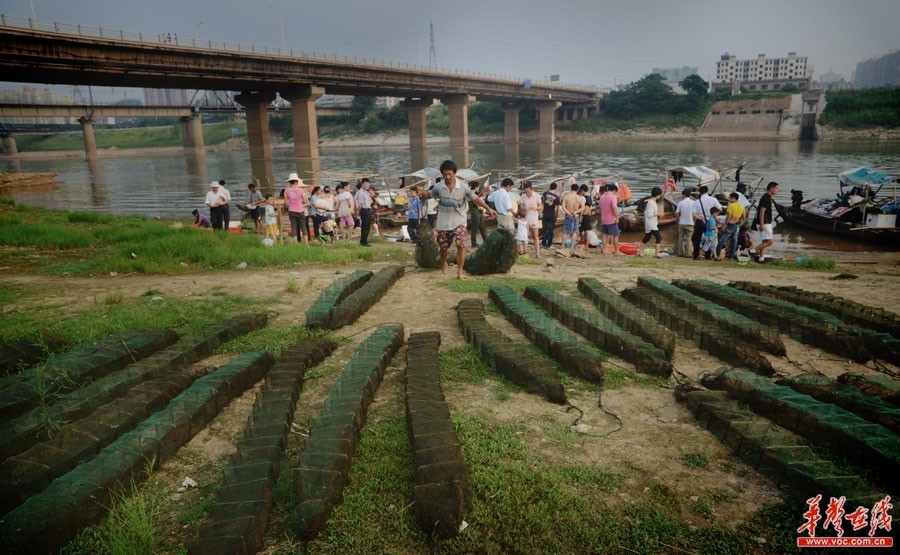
694	460
272	339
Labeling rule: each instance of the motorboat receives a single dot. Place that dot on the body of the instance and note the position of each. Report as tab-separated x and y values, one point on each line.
859	211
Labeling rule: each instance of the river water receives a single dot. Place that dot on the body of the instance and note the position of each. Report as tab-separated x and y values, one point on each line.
170	185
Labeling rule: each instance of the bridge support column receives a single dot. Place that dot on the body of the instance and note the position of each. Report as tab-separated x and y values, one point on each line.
90	143
192	135
415	111
9	146
511	123
257	104
459	119
306	133
547	120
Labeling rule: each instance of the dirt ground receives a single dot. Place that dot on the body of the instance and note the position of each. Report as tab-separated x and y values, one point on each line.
656	431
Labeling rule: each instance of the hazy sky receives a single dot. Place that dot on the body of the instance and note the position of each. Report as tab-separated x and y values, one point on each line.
592	42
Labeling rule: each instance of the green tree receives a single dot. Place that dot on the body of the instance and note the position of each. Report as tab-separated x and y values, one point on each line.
396	117
790	89
696	86
361	107
649	95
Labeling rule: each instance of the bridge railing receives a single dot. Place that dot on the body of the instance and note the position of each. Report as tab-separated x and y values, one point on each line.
172	39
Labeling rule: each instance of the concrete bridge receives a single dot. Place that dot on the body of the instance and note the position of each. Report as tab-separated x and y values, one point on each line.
190	121
47	52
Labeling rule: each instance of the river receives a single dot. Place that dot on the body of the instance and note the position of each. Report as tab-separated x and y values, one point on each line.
169	186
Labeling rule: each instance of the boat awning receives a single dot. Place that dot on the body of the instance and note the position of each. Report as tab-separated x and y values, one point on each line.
466	174
702	173
861	177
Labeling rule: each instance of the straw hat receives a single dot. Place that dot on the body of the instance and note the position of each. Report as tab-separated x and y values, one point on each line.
214	184
295	177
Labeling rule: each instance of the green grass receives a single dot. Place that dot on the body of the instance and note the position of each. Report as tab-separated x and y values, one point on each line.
291	286
128	529
82	244
615	377
694	460
101	320
142	137
521	504
815	264
463	365
273	339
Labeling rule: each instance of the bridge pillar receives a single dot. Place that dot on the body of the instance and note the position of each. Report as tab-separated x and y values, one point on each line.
415	111
90	143
459	119
192	134
547	120
303	119
511	123
257	104
9	146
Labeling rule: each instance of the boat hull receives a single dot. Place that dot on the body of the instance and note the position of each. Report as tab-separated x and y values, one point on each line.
833	226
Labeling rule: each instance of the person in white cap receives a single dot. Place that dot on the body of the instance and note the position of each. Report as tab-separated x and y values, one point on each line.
295	197
214	200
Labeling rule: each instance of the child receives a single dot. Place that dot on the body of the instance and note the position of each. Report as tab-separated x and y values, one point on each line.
413	214
327	234
743	240
522	233
710	236
271	220
200	220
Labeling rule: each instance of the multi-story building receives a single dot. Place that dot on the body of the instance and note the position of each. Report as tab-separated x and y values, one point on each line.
883	71
168	97
675	75
763	74
31	95
831	81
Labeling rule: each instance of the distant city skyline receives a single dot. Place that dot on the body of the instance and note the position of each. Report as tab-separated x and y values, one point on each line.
590	42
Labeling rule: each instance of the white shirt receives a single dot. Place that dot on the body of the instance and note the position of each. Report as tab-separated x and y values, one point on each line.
270	215
502	201
522	231
651	215
685	211
226	194
703	205
345	203
214	198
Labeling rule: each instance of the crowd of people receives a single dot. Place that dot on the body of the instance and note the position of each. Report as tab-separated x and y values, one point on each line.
312	214
456	213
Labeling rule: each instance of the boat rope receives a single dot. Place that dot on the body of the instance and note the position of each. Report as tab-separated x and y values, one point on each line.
577	421
884	369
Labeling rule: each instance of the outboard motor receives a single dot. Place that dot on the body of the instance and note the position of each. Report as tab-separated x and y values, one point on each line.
796	199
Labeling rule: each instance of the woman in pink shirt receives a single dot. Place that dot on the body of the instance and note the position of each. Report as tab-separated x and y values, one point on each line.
532	205
295	197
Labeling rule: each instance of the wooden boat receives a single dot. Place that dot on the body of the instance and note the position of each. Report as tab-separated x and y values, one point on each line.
857	212
632	217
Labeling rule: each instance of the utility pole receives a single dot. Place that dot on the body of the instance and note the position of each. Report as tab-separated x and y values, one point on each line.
432	54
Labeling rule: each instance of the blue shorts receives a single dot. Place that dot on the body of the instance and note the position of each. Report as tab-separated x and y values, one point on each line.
611	229
570	225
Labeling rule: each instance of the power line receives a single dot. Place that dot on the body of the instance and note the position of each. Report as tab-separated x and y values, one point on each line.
432	54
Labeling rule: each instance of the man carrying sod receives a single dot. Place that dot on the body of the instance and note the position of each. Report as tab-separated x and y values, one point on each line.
453	196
